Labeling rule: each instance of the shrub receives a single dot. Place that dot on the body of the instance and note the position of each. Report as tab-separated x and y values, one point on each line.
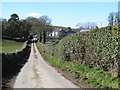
96	48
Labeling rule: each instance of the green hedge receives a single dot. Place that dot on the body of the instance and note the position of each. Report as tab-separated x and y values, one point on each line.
82	73
96	48
12	64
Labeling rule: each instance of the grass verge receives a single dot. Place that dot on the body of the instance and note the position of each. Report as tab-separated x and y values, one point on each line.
10	46
91	76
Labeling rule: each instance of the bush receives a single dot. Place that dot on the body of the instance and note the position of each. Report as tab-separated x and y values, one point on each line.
96	48
83	73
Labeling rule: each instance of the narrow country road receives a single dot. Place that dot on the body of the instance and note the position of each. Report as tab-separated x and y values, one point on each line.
36	73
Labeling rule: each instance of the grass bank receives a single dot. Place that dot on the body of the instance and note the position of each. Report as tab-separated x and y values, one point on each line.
10	46
81	72
0	45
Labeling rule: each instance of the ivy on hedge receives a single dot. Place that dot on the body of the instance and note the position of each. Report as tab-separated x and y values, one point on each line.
96	48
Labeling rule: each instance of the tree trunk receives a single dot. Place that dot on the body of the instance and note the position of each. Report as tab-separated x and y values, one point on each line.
40	38
44	37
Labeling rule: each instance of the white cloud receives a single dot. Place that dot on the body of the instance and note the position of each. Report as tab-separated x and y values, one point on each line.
34	14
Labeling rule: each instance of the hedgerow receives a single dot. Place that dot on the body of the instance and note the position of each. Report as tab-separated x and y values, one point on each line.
97	48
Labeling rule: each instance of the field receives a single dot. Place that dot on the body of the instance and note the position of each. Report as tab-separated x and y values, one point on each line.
10	46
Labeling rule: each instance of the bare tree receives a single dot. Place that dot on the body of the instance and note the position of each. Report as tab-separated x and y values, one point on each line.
117	18
114	18
45	26
111	18
80	25
40	26
88	25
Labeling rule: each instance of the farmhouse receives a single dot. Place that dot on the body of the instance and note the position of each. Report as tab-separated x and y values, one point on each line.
60	33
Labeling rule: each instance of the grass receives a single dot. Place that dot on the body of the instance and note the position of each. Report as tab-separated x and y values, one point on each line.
91	76
49	43
10	46
0	45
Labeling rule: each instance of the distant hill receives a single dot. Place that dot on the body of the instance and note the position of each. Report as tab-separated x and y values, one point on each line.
60	27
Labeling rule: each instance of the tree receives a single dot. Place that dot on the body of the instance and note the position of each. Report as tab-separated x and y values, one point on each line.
14	17
40	26
117	18
88	25
114	18
69	28
24	29
14	28
35	26
45	22
79	25
4	27
111	18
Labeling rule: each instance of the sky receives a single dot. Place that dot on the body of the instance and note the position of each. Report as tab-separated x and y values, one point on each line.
66	14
